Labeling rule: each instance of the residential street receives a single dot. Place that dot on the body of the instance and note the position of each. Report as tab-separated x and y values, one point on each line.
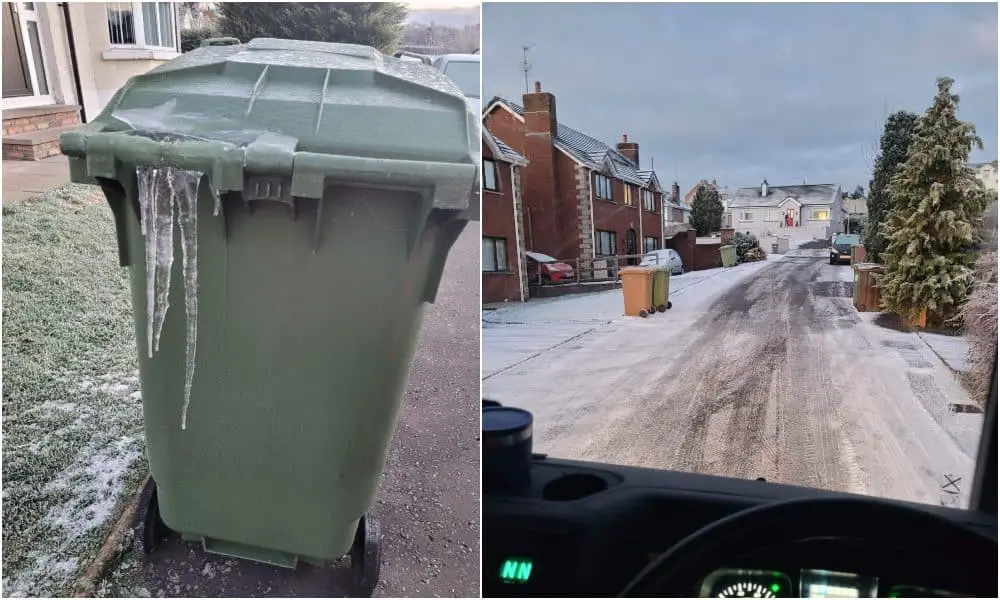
766	373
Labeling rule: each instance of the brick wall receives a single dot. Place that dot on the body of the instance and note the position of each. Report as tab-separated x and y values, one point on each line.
30	124
498	222
696	257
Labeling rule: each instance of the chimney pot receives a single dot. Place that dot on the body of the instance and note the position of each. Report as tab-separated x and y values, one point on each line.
624	138
538	87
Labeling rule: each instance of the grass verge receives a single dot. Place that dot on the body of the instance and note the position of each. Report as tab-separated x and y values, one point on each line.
73	451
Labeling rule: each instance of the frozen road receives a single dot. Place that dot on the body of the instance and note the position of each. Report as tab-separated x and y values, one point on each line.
769	375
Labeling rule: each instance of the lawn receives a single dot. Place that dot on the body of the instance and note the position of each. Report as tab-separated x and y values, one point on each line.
73	449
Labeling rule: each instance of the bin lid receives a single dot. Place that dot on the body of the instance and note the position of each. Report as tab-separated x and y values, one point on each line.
635	270
300	110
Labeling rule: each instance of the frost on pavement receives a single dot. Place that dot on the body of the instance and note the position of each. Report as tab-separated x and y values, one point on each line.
168	195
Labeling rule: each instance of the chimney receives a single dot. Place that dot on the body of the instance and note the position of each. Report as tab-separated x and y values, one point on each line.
540	112
629	149
540	185
763	189
675	193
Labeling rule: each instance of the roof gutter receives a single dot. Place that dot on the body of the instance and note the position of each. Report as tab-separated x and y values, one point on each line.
71	41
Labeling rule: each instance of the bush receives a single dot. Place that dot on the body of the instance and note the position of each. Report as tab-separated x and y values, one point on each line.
744	242
191	38
754	255
979	316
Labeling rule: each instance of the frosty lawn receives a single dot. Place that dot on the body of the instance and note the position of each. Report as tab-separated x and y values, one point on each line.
72	415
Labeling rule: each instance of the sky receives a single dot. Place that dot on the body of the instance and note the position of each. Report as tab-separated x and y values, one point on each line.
746	92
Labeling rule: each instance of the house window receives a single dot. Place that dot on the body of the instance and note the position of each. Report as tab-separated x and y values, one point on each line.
727	220
142	24
650	244
820	214
746	216
494	255
602	187
772	215
628	194
605	243
648	201
490	179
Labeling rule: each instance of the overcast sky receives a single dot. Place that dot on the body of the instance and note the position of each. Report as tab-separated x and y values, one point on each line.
744	92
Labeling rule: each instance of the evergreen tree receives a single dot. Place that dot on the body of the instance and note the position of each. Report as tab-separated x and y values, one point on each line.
936	203
895	141
376	24
706	210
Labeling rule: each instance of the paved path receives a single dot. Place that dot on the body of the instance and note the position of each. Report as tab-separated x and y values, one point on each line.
23	179
776	376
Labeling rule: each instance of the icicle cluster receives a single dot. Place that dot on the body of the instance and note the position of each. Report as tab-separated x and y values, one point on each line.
168	196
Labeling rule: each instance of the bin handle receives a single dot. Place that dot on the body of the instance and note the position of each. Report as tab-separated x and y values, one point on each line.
220	41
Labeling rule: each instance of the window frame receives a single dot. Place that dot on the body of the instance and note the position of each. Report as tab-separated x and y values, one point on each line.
600	235
139	26
599	189
814	211
496	254
496	176
654	240
648	200
745	213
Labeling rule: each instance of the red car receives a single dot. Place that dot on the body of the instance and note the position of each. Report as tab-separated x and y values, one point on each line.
549	268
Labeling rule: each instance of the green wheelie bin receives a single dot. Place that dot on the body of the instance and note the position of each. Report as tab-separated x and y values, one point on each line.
285	209
728	254
661	288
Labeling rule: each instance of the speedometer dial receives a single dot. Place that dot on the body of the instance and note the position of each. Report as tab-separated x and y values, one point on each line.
746	583
745	590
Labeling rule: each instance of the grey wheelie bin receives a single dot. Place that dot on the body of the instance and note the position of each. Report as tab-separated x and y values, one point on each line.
286	209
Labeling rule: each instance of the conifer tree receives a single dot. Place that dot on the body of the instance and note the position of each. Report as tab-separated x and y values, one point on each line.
706	210
896	137
935	203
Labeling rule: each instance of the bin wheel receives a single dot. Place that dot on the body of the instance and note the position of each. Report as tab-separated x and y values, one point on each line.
669	304
643	313
661	308
149	528
366	556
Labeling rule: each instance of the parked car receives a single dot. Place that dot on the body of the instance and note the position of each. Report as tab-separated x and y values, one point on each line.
463	69
840	250
667	257
548	268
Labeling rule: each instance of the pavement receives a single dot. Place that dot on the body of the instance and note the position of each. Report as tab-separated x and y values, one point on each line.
428	502
766	373
23	179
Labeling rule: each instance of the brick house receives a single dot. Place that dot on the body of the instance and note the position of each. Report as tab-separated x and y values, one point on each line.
582	197
504	276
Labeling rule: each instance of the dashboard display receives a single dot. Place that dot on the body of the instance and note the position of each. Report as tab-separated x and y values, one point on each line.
832	584
747	583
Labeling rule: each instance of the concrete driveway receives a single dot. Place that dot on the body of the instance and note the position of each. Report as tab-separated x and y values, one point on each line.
428	502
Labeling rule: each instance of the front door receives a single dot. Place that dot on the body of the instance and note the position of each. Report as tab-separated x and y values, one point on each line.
630	246
25	77
790	216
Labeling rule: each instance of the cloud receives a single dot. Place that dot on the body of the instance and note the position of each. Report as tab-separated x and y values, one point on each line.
745	91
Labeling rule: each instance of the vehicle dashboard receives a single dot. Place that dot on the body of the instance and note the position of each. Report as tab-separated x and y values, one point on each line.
586	531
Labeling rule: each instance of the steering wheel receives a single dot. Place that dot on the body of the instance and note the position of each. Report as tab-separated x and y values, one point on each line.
965	555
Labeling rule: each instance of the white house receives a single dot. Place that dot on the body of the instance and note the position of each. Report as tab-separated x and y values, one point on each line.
987	173
796	212
62	63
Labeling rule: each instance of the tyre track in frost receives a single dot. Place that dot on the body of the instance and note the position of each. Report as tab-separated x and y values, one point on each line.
752	397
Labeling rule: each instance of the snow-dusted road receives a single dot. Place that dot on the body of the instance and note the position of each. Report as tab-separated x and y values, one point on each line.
765	370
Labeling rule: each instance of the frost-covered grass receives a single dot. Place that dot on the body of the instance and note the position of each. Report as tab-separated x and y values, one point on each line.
72	418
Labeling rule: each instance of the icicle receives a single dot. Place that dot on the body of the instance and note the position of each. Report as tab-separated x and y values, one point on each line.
164	241
162	194
186	182
218	202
